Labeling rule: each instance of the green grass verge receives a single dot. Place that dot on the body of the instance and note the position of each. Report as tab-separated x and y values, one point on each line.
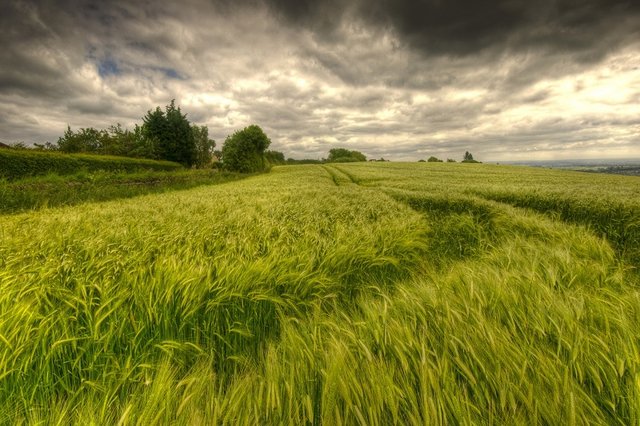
55	191
18	164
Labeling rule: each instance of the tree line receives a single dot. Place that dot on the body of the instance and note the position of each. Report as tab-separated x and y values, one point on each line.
467	158
168	135
164	135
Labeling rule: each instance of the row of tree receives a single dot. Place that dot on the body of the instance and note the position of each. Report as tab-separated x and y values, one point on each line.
163	135
168	135
467	158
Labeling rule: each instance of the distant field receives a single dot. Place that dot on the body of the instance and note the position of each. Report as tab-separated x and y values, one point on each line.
365	294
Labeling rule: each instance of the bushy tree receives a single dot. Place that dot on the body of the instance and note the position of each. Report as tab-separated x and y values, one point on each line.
127	143
244	150
113	141
88	140
170	132
433	159
342	155
204	146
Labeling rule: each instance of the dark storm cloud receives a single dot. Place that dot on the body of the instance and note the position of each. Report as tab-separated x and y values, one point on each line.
461	27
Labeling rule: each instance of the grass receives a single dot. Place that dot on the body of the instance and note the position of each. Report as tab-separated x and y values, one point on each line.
54	190
337	294
24	163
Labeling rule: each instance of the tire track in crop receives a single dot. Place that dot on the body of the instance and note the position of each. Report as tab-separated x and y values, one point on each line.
349	176
618	224
339	176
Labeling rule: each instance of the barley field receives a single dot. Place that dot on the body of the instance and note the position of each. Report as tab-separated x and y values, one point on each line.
350	294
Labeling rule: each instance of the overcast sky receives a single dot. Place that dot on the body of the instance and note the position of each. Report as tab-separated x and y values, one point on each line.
401	79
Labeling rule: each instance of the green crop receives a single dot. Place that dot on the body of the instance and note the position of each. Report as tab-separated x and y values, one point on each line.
427	293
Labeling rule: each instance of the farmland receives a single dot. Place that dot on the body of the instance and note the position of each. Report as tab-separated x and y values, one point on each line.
330	294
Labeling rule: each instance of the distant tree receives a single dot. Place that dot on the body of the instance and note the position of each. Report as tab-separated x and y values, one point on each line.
304	161
450	160
47	146
342	155
274	157
244	150
18	145
204	146
170	133
433	159
88	140
421	161
468	158
128	143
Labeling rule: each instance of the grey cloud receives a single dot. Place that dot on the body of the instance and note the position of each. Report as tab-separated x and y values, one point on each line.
466	26
376	75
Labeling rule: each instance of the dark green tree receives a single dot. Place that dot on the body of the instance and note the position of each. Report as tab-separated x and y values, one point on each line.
468	158
244	150
433	159
342	155
170	133
127	143
88	140
204	146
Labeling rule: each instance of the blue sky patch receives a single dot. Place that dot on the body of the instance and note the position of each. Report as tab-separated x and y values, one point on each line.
108	67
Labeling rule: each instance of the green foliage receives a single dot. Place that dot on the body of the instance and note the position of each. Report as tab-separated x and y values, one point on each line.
303	161
171	135
342	155
274	157
84	140
244	151
124	142
15	145
468	158
433	159
18	164
365	293
204	146
113	141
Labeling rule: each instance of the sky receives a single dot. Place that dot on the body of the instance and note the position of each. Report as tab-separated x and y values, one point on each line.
399	79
